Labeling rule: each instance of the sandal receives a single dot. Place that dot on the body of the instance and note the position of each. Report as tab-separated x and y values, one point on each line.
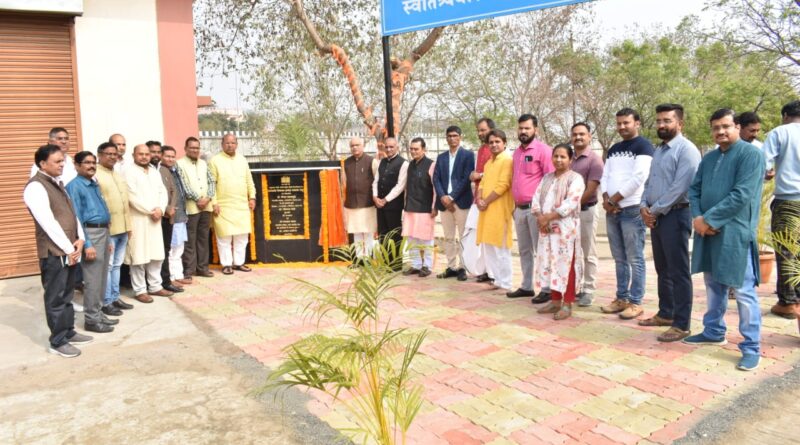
550	308
227	270
242	268
564	312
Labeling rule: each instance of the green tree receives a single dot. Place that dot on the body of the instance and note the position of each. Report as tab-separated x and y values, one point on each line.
216	122
297	137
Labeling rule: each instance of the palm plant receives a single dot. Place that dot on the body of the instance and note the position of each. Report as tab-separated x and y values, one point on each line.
763	232
365	359
787	242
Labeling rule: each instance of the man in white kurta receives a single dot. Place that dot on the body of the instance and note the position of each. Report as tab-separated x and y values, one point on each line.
234	201
148	201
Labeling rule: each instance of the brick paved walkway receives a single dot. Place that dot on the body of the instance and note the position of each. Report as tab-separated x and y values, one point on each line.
496	372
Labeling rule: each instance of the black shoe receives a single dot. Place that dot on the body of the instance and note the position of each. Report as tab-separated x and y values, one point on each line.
122	305
111	310
100	328
411	271
482	278
519	293
448	273
543	297
462	274
109	321
173	289
424	272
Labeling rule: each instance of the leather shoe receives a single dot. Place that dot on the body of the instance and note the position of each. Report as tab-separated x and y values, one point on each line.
784	310
162	293
205	273
242	268
424	272
183	281
227	270
519	293
482	278
543	297
172	288
144	298
110	321
122	305
448	273
462	274
111	310
100	328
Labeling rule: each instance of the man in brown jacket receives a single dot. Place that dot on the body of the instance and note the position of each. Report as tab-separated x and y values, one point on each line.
59	244
169	215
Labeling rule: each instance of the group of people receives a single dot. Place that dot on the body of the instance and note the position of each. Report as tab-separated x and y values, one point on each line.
155	214
551	195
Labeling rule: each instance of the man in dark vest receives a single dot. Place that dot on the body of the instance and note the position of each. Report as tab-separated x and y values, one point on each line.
419	217
359	210
388	194
59	243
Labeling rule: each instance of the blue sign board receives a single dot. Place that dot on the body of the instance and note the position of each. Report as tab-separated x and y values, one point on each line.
399	16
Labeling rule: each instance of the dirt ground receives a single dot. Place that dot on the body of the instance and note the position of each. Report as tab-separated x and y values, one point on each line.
158	379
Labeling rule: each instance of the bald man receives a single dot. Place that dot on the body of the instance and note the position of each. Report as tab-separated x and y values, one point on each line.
359	209
388	195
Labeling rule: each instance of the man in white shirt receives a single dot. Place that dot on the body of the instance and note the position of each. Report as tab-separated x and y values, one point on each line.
122	146
59	244
59	137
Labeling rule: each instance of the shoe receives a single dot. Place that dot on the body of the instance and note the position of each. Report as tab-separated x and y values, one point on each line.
411	271
227	270
162	293
206	273
519	293
786	311
183	281
187	279
111	310
173	289
655	320
65	350
77	307
615	307
100	328
631	312
144	298
109	321
564	312
672	334
242	268
80	339
462	275
584	299
482	278
424	272
543	297
701	339
749	362
448	273
122	305
549	308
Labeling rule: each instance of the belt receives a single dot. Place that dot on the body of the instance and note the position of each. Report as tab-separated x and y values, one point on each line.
523	206
588	206
96	226
680	206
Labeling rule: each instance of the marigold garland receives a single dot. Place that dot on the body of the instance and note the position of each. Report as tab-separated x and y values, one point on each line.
253	236
323	193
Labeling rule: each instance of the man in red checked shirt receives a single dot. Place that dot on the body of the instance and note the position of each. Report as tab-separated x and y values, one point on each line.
473	253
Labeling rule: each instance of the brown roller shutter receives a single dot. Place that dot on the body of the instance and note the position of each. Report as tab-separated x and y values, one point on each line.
37	92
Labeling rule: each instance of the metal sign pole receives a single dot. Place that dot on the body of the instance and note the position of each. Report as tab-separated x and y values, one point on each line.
387	82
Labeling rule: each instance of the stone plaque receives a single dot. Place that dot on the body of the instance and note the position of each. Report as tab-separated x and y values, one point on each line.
286	210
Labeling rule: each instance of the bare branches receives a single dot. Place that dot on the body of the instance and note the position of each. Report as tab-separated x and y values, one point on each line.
426	44
300	10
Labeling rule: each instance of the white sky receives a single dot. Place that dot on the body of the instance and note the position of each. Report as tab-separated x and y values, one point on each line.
618	19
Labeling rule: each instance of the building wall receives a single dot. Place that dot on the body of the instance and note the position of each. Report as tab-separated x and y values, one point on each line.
118	70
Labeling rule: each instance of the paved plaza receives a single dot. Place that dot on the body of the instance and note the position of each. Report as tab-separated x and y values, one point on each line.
495	372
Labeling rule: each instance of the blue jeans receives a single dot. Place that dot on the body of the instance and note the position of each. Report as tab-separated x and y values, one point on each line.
626	232
749	310
119	243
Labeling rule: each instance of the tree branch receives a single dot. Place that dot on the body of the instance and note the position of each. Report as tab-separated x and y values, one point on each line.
426	44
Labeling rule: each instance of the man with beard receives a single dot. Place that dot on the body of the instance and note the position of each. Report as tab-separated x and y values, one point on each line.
665	210
474	257
532	160
750	127
626	170
93	214
589	165
122	146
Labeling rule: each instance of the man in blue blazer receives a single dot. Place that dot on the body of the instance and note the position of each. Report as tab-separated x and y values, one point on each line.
454	193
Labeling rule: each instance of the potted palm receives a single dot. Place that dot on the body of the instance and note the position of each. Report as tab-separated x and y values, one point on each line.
766	256
364	365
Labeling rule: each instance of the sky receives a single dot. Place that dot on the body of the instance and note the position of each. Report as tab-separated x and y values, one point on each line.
617	18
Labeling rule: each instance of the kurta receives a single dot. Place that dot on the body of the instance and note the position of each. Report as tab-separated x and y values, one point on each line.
420	225
115	194
365	219
726	191
558	248
146	192
494	223
234	187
